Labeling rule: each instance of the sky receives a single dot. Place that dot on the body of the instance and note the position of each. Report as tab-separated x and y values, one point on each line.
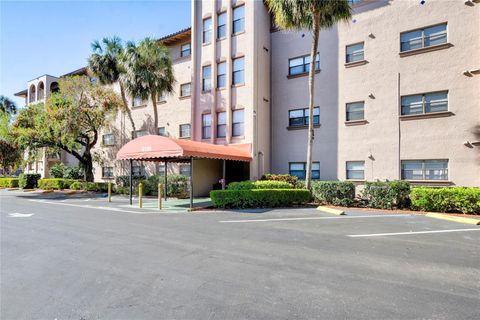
54	37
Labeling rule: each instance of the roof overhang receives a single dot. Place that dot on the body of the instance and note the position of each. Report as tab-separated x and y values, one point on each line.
179	36
22	93
159	148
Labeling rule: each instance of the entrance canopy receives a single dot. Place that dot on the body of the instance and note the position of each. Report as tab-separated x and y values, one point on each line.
159	148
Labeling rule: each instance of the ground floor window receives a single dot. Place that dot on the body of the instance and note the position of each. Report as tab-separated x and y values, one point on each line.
425	169
161	169
206	126
185	130
221	125
137	171
355	170
237	124
139	133
108	139
107	172
162	131
185	170
299	170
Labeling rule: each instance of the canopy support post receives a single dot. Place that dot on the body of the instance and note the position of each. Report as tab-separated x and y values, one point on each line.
165	180
131	180
191	182
223	175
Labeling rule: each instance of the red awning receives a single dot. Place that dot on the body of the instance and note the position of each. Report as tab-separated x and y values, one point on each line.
159	148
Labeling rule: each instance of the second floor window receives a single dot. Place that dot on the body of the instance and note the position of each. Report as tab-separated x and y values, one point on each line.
355	111
137	102
139	133
222	25
185	130
186	50
425	103
221	125
185	90
354	53
299	117
207	30
299	170
107	172
237	123
221	75
108	139
238	19
422	38
206	126
162	131
238	74
425	169
355	170
206	78
301	65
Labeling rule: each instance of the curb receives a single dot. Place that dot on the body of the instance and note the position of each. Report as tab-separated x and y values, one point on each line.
331	210
29	190
46	191
13	189
444	216
70	192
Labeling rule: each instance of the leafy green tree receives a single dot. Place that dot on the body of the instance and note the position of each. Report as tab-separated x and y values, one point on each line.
148	71
311	15
104	63
7	105
70	120
10	152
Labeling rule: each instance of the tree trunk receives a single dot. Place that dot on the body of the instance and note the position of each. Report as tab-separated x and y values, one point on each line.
88	166
125	105
155	111
311	87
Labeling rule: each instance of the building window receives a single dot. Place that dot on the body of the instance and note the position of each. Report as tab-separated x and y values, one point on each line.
222	25
108	139
206	78
354	53
221	125
207	30
238	19
354	2
301	65
423	38
221	75
107	172
238	71
185	90
137	102
137	171
139	133
355	170
206	126
162	131
425	103
237	123
299	170
425	169
162	98
299	117
355	111
161	169
186	50
184	130
185	170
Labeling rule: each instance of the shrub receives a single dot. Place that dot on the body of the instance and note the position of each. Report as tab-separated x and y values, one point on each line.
96	186
77	185
124	181
260	184
450	199
178	186
387	195
281	177
73	172
57	170
9	182
67	183
340	193
28	180
259	198
51	184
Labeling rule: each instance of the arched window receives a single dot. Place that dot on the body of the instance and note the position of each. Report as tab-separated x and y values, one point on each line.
32	94
41	91
54	87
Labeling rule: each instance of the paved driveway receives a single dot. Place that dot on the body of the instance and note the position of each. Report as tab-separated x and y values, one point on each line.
69	259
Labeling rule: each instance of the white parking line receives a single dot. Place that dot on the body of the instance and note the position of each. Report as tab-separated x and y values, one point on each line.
409	233
88	206
318	218
20	215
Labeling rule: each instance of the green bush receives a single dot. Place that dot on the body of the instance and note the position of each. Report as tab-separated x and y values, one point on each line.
9	182
57	170
281	177
178	186
67	183
73	172
124	181
259	198
51	184
28	180
260	184
449	199
77	185
340	193
387	195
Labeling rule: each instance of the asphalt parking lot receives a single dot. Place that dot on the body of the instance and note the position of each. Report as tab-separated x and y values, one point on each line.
80	258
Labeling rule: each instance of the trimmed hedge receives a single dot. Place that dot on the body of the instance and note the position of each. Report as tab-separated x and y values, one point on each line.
9	182
260	184
450	199
260	198
51	184
281	177
387	195
340	193
28	180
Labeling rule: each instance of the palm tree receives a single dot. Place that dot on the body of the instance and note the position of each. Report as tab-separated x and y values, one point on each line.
104	63
312	15
7	105
148	72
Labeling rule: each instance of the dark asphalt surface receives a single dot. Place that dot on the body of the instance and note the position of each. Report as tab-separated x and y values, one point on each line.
71	260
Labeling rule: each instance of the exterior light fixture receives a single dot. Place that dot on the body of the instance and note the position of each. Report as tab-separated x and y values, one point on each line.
467	73
371	35
469	3
371	96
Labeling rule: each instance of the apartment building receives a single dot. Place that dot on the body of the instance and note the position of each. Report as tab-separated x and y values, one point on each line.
397	94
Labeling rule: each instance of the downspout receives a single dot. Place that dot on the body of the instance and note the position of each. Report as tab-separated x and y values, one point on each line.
399	108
